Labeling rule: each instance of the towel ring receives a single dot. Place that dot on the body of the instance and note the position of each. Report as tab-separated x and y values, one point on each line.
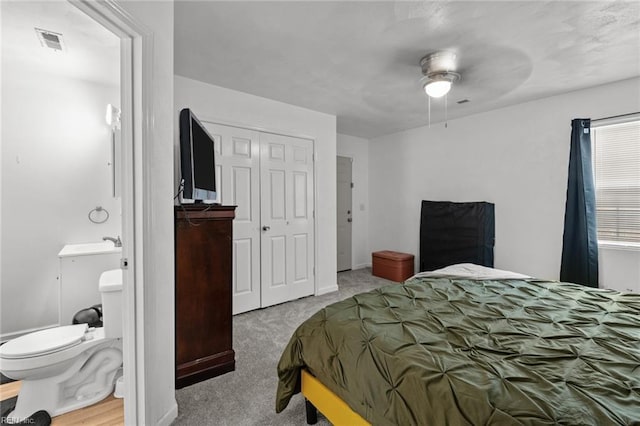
96	211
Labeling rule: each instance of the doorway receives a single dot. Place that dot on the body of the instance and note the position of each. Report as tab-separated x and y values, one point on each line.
344	212
82	186
135	134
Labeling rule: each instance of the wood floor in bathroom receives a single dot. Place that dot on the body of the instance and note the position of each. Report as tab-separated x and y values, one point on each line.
108	412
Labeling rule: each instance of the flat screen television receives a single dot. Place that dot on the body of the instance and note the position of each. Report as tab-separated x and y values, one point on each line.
197	159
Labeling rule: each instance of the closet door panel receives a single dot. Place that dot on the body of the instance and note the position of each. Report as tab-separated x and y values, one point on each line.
301	254
286	167
237	159
242	270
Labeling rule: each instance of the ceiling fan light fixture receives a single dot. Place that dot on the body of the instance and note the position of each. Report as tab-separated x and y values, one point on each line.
438	71
437	88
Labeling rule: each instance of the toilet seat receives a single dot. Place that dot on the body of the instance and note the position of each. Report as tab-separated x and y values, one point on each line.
47	358
44	342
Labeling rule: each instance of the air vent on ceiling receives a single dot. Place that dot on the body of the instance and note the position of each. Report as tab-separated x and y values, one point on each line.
463	101
50	39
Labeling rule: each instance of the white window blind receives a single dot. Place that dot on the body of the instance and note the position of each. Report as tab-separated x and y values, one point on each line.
616	163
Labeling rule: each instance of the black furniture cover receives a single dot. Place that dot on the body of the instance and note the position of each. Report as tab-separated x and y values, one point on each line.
456	233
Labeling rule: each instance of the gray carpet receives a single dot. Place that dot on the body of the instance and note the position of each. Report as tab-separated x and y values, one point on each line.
247	396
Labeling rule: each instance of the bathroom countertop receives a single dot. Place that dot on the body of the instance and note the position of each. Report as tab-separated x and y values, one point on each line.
87	249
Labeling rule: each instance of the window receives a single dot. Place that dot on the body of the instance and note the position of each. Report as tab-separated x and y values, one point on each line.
616	164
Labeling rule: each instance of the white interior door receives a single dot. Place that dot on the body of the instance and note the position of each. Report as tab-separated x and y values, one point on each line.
237	153
286	187
344	212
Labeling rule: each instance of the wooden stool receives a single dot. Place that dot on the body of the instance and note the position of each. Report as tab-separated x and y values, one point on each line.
392	265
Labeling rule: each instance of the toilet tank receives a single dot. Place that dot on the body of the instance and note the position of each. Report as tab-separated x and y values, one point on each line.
110	286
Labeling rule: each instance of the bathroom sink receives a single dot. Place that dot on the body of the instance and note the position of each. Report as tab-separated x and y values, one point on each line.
86	249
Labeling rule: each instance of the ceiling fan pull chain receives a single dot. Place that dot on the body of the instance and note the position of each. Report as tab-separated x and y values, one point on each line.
429	103
446	115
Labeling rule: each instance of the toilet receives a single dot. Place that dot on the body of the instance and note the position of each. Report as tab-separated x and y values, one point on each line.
69	367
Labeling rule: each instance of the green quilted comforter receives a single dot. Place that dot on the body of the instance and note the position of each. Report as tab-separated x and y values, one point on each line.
445	351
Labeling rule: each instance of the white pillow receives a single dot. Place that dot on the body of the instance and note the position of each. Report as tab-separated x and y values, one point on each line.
473	271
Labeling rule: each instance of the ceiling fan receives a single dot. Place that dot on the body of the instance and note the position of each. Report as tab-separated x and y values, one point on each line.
438	70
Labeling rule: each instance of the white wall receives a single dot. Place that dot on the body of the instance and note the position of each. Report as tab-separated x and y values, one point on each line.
55	152
157	376
515	157
218	104
358	149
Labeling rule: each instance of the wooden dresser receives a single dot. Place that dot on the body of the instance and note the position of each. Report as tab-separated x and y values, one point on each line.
203	254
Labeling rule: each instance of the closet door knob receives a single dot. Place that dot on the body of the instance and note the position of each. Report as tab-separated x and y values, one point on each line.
266	228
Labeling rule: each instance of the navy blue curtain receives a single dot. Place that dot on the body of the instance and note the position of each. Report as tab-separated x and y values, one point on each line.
580	240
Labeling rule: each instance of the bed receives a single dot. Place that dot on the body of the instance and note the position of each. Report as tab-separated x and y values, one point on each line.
470	345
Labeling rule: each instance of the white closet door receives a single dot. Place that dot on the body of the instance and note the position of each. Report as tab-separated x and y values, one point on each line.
286	187
238	182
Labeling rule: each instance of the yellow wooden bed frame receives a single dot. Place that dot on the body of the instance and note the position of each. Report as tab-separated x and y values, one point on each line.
318	396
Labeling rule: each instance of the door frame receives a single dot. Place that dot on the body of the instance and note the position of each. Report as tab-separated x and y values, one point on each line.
212	120
136	76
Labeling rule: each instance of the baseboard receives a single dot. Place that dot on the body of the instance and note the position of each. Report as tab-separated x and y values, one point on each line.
170	415
326	290
9	336
361	266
